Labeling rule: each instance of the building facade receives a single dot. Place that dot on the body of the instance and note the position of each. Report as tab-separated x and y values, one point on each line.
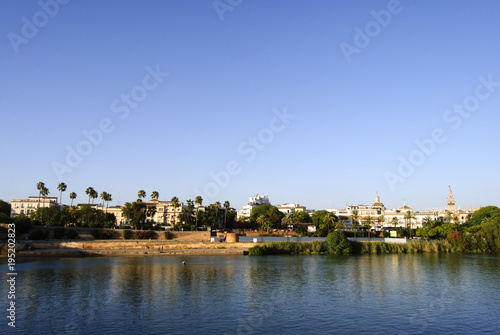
31	204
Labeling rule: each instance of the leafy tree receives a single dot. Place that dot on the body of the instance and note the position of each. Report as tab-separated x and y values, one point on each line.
318	217
448	217
491	229
198	200
483	213
61	187
395	221
338	244
5	208
301	217
272	213
135	212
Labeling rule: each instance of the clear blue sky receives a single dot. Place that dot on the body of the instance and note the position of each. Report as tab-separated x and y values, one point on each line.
356	114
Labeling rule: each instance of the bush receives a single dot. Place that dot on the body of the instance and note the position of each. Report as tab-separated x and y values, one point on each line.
59	233
144	235
169	235
72	234
338	244
127	234
23	224
39	235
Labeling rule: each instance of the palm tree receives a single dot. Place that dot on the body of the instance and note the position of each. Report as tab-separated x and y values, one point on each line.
61	187
261	220
395	221
226	206
355	218
368	221
448	217
328	219
141	195
106	197
155	195
175	204
94	195
198	200
381	219
72	196
427	221
409	215
89	191
44	192
287	221
40	186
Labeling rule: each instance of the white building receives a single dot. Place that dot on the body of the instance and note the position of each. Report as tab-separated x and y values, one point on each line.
291	208
30	205
252	203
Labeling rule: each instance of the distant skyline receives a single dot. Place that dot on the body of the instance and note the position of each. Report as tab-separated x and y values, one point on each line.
322	104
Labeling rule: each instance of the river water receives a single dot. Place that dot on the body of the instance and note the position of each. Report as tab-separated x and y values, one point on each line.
370	294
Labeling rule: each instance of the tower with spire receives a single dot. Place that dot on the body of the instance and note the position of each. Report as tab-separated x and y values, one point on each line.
451	201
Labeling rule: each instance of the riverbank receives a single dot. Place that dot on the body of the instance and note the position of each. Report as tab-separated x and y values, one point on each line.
120	247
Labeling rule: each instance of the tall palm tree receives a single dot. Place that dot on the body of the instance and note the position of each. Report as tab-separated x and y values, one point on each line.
141	195
395	221
261	220
155	195
72	196
226	207
368	221
409	215
175	204
89	191
61	187
40	186
198	200
94	195
106	197
355	218
44	192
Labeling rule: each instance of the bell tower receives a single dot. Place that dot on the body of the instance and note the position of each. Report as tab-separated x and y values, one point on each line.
451	202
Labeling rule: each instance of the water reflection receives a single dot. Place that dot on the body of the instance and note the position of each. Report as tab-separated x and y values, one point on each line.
236	294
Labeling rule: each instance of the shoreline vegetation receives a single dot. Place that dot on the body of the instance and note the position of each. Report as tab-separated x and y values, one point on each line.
336	243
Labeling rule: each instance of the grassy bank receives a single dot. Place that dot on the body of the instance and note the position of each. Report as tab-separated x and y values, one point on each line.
317	247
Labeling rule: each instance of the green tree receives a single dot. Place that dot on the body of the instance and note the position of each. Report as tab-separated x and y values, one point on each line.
61	187
72	196
5	208
272	213
395	221
135	212
483	213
